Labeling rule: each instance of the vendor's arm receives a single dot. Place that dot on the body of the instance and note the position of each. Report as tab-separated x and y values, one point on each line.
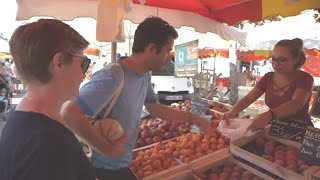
92	97
252	96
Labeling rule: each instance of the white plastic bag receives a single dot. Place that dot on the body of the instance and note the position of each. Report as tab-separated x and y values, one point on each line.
236	129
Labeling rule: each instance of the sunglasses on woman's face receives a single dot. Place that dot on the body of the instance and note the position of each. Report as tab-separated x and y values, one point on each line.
85	63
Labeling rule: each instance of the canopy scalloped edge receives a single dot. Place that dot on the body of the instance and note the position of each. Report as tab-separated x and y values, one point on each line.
70	9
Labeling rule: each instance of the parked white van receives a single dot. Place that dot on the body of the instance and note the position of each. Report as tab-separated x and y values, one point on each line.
170	88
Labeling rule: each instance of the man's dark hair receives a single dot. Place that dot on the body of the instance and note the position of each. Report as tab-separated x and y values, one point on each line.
153	30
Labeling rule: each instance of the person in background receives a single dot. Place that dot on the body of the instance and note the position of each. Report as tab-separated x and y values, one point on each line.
6	72
153	41
8	62
250	79
35	143
287	89
16	81
265	68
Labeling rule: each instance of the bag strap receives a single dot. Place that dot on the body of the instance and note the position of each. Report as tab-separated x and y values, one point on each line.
113	99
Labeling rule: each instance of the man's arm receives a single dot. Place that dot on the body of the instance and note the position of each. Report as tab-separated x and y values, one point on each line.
164	112
79	123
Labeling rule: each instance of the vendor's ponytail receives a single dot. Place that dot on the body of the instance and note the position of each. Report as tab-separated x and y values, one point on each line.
298	48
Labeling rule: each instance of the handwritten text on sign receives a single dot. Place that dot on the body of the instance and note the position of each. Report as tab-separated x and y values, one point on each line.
288	129
199	106
310	151
315	111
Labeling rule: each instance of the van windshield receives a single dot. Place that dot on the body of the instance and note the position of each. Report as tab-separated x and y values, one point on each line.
167	70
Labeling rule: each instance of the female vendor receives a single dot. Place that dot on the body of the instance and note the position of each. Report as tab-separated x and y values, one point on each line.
287	89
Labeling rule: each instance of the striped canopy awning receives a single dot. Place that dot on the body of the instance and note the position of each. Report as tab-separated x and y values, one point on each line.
234	11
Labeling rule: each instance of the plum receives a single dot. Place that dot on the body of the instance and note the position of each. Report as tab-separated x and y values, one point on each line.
144	134
302	168
292	167
281	148
156	139
269	150
227	169
140	142
172	128
279	162
300	162
268	157
213	176
291	157
260	142
167	135
224	175
175	133
292	162
148	140
144	127
236	175
144	122
279	154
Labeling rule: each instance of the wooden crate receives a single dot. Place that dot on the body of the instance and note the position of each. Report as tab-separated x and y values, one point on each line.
216	113
179	172
316	176
216	161
220	115
213	102
151	145
218	153
243	155
202	166
183	170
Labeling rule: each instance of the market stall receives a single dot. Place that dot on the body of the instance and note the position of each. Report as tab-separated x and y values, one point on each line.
192	155
280	151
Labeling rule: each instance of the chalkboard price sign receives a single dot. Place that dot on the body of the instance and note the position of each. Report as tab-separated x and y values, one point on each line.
315	111
310	150
288	129
199	106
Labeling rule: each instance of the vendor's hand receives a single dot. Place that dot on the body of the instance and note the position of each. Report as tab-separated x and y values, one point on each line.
260	122
229	115
117	149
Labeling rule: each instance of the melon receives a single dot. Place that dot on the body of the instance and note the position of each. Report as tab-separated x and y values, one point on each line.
110	129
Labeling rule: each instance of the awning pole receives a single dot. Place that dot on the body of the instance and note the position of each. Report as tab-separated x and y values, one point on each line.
113	52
